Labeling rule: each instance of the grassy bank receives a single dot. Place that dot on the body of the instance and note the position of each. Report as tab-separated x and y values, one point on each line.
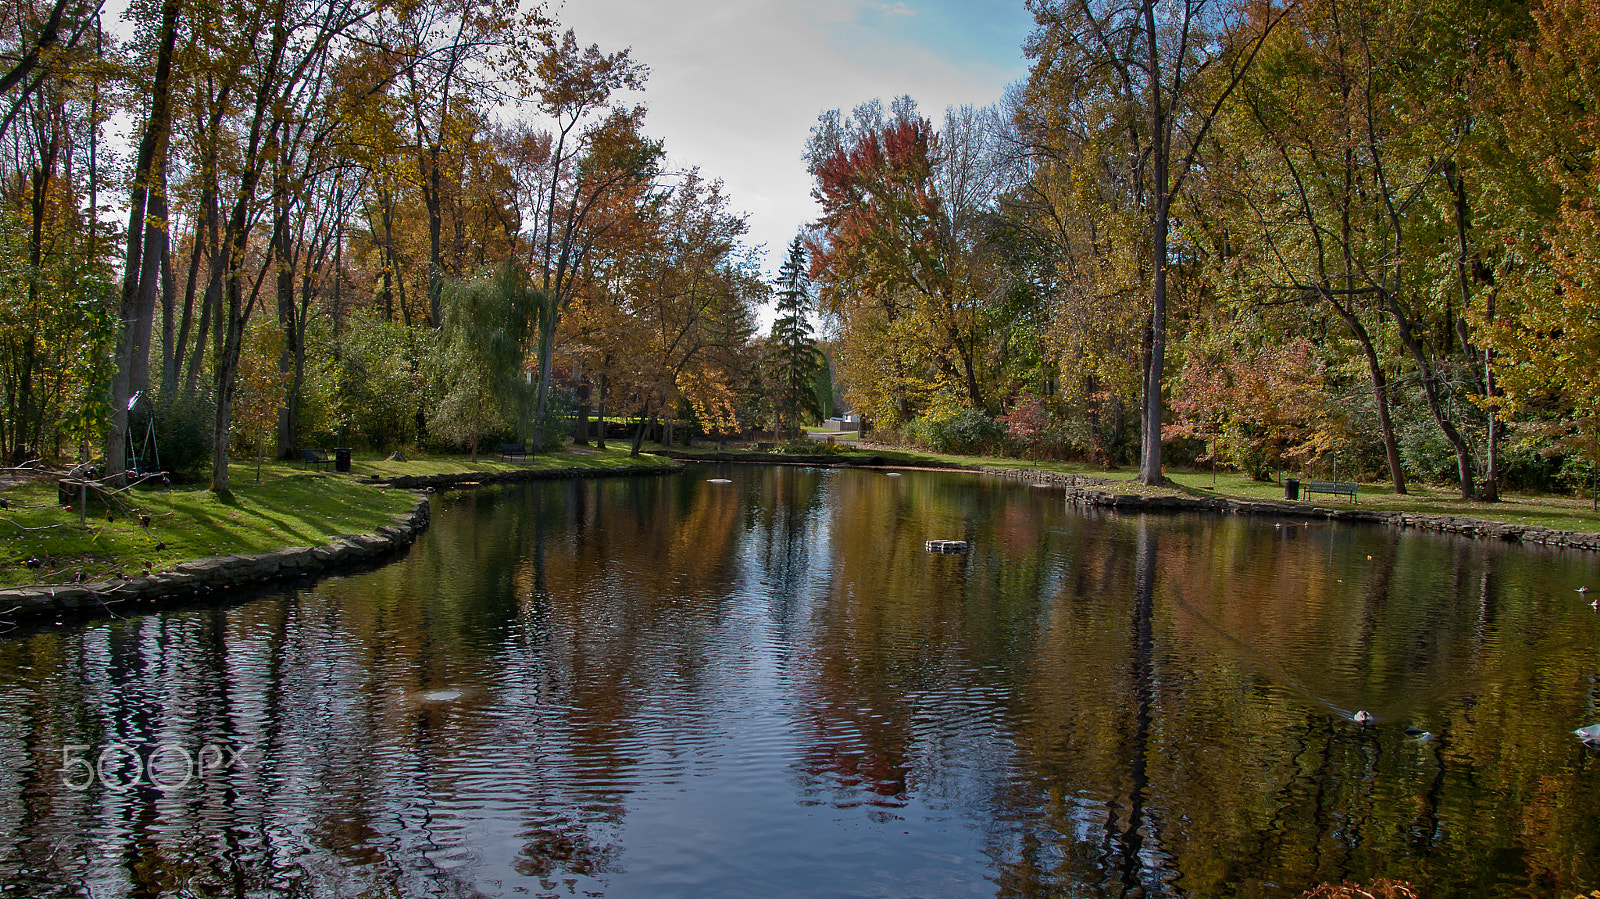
291	506
1570	513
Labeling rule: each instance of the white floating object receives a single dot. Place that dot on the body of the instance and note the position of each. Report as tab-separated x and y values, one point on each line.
1590	734
441	696
945	546
1043	484
718	481
1423	737
1583	590
1364	717
894	474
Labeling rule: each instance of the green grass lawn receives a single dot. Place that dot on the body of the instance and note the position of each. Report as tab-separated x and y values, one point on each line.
291	506
1569	513
613	456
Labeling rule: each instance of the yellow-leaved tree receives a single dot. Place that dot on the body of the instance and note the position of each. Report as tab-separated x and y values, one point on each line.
1544	331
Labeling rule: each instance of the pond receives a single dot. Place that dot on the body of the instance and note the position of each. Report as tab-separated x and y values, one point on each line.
669	686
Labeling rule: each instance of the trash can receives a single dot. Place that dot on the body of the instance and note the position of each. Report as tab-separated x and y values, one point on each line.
341	459
1291	489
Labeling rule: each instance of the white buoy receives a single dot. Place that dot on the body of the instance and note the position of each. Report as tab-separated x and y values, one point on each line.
1364	717
894	474
718	481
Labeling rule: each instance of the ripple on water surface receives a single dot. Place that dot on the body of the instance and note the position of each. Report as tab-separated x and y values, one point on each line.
767	687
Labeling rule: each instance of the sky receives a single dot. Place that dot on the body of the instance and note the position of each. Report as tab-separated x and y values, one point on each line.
735	85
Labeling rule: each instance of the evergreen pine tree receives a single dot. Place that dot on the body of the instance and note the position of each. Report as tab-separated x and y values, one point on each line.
796	359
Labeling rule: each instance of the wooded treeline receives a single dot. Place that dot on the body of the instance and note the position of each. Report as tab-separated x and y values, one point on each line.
351	222
1294	235
1337	236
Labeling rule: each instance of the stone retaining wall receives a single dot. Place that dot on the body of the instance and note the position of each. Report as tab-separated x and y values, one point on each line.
201	576
1085	490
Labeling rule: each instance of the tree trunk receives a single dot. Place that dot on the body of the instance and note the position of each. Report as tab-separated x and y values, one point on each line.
1491	481
430	196
29	417
1458	188
138	293
547	337
169	356
1431	389
1150	449
600	440
152	267
239	221
1380	396
580	435
638	434
287	319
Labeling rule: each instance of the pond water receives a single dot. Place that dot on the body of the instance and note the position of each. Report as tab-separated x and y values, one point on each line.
672	687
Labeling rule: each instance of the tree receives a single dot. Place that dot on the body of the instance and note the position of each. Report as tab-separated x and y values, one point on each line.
260	387
490	323
1293	181
1541	332
901	248
1257	407
795	358
1147	74
146	249
585	167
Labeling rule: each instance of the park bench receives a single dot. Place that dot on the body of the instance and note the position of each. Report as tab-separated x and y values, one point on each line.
1332	488
314	457
510	451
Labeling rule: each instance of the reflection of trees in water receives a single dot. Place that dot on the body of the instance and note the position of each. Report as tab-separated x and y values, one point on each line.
1118	706
1252	782
628	588
301	813
906	658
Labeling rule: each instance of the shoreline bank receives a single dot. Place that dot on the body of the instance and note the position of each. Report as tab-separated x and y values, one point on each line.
198	578
1085	490
1097	492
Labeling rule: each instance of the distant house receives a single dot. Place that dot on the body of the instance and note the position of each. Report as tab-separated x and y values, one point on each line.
849	421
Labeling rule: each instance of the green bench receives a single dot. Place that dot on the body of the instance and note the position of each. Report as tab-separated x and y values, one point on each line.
311	458
1332	488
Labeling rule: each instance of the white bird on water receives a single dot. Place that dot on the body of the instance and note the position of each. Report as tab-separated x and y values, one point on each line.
1590	734
1364	717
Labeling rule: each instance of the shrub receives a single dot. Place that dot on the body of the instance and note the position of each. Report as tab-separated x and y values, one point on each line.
963	431
183	432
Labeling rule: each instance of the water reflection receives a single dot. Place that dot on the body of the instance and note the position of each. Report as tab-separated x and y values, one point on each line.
670	687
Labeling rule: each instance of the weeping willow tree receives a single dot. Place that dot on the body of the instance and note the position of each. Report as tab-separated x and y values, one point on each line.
490	324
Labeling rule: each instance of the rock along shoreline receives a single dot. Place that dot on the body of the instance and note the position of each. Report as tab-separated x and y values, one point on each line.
189	581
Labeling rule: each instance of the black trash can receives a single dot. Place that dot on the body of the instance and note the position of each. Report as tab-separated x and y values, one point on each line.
341	459
1291	489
